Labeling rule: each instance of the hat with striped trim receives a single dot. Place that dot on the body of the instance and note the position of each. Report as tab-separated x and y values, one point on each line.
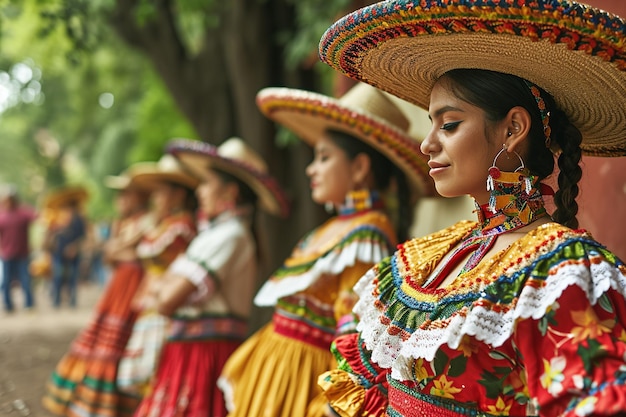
573	51
363	112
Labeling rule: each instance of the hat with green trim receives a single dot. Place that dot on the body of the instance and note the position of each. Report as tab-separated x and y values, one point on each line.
573	51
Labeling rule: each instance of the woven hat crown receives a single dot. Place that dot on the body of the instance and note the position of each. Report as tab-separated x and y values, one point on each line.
575	52
236	149
373	101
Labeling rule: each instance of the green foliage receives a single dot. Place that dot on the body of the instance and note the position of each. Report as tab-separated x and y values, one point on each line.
64	133
158	120
313	17
66	136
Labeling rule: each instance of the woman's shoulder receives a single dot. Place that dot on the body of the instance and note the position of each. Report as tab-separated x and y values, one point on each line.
552	245
449	235
373	220
229	229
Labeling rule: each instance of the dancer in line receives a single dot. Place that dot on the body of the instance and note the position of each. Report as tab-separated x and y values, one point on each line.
361	150
207	292
519	313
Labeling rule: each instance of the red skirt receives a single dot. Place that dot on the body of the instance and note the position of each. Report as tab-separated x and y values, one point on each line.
186	381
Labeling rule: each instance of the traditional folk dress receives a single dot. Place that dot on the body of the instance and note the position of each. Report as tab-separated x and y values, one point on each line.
157	250
274	372
84	382
222	263
539	328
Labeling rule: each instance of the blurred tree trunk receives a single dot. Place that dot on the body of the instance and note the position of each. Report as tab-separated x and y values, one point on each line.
216	90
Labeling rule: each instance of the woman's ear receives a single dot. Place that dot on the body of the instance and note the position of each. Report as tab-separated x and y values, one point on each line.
361	168
518	125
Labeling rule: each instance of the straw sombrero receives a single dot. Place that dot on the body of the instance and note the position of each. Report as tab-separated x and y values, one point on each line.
363	112
149	174
238	159
64	195
575	52
126	179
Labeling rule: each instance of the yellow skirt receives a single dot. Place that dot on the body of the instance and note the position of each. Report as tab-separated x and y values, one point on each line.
272	375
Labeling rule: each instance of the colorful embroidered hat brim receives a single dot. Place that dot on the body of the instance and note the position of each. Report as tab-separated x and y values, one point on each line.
237	159
575	52
363	112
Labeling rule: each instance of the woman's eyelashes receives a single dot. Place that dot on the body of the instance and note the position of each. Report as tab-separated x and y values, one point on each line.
450	126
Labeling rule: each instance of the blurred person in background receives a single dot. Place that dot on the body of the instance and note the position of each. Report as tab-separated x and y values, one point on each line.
173	206
64	238
15	222
84	381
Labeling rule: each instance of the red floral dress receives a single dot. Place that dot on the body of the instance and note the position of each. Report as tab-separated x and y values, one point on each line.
537	329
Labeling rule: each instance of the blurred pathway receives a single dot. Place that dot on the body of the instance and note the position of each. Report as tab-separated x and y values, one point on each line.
31	344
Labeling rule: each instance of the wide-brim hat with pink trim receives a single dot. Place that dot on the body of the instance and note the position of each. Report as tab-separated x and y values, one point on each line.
575	52
363	112
236	158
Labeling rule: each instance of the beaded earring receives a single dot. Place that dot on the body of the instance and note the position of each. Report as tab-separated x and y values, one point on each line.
494	174
360	200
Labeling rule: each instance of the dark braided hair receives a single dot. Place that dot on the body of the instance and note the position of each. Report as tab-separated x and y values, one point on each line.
497	93
383	171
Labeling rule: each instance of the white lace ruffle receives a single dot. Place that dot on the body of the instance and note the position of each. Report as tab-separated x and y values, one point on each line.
333	263
156	247
492	328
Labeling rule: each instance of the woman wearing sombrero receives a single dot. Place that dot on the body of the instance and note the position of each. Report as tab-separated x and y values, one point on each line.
64	235
172	206
208	291
84	379
519	313
361	147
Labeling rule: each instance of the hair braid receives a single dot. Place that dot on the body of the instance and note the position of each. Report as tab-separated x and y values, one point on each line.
569	139
405	208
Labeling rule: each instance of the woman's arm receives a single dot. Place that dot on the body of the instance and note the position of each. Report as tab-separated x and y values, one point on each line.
172	293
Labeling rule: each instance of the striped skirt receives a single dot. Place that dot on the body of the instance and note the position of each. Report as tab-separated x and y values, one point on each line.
84	381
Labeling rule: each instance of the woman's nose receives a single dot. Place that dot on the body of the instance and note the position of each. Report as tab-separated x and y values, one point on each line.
427	145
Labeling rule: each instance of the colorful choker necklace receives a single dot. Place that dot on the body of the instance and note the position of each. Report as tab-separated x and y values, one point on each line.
516	202
358	201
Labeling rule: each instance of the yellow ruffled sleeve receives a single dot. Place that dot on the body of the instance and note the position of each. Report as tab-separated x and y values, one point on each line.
345	397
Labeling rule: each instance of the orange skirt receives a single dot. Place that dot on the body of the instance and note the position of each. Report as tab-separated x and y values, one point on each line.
84	380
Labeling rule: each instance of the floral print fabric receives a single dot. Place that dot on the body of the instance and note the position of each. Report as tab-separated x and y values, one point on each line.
538	329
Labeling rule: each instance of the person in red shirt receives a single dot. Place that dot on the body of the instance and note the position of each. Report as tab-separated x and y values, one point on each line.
15	221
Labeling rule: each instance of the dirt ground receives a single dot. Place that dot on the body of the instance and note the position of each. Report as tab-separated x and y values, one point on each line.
31	344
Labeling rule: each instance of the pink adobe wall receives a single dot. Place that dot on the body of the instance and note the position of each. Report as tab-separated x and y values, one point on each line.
602	202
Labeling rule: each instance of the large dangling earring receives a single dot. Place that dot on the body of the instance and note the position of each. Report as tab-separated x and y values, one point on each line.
495	173
359	199
329	207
